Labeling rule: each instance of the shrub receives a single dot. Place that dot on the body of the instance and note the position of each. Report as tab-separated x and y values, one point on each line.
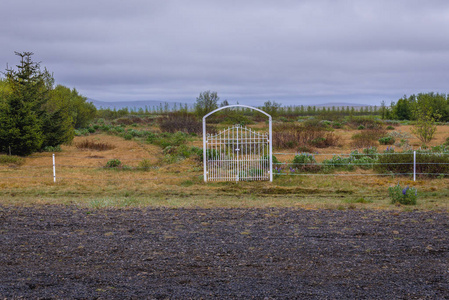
164	140
151	137
366	122
274	159
113	163
319	142
389	150
211	154
287	135
367	138
52	149
128	136
337	125
81	132
92	145
361	127
446	143
364	160
387	140
305	149
389	127
144	165
180	121
305	162
338	162
405	196
427	164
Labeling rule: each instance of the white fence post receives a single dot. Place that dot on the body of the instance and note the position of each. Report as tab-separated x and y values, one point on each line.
414	165
54	169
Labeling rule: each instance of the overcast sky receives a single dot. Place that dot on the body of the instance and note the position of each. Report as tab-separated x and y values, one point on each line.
291	52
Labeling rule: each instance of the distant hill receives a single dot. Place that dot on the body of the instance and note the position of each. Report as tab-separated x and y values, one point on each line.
134	104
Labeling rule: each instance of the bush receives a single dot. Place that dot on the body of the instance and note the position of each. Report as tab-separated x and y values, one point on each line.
145	165
366	122
180	121
81	132
113	163
338	162
290	136
405	196
364	160
52	149
361	127
446	143
164	140
273	159
367	138
427	164
305	149
91	145
387	140
337	125
305	162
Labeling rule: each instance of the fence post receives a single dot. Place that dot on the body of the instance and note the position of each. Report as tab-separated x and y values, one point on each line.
54	169
414	165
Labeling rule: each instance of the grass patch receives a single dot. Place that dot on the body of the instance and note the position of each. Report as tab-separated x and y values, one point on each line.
11	160
359	200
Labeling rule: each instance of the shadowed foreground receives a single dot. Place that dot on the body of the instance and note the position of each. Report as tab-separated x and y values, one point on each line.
69	252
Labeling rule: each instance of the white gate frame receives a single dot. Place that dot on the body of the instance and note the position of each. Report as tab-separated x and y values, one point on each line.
270	137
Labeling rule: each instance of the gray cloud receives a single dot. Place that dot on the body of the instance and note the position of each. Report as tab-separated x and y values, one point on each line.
248	51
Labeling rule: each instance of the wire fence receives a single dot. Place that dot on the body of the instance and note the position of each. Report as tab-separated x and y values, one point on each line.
355	164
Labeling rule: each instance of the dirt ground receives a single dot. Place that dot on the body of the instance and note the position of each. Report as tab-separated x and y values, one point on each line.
60	252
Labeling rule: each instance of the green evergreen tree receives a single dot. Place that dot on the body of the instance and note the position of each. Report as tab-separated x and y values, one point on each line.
20	128
20	124
33	114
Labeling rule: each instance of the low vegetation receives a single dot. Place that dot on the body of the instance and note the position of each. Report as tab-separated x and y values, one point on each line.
92	145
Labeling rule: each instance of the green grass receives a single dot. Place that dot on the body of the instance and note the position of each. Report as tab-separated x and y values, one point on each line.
11	160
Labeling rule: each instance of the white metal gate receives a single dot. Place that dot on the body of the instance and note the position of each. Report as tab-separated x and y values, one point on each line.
237	153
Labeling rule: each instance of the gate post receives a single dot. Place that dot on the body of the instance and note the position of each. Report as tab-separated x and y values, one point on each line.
270	155
204	149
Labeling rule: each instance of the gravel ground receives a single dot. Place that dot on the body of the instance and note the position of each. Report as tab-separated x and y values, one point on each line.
68	252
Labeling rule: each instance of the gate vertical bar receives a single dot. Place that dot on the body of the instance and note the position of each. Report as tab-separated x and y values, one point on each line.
237	155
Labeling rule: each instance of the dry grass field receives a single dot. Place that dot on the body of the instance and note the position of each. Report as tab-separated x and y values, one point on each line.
81	179
152	228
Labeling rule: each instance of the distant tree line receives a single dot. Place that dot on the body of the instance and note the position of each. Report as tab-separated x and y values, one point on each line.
406	108
35	115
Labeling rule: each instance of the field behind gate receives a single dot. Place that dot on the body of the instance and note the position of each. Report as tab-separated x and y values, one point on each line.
146	178
151	228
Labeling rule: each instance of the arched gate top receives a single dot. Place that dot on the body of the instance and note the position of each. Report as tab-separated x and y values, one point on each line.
236	105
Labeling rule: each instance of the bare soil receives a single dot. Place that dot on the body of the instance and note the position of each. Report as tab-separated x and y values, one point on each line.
55	252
